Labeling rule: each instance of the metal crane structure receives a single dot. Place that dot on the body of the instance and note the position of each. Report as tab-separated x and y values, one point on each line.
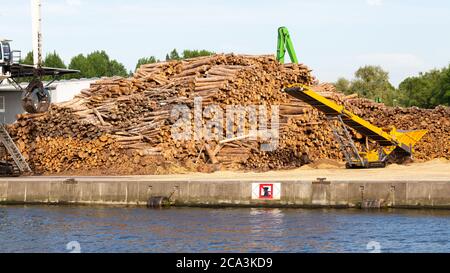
36	96
389	144
285	44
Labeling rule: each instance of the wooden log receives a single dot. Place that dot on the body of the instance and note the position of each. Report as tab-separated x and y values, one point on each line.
211	154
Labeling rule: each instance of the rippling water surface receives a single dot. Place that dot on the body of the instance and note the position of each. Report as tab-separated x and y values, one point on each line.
106	229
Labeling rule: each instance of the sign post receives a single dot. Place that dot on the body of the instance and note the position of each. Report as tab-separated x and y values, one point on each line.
266	191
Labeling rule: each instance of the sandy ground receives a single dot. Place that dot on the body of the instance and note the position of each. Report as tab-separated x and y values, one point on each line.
435	170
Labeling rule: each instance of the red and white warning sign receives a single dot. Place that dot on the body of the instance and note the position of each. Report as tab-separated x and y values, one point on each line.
266	191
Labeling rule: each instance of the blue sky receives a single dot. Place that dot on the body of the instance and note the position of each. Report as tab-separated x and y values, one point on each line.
334	38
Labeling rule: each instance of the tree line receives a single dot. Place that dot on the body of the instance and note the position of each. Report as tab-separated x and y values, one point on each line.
175	56
99	64
427	90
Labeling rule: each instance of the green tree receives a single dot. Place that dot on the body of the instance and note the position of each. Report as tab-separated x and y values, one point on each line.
173	56
117	69
28	59
187	54
80	63
146	60
343	85
442	93
53	60
196	53
371	82
97	64
426	90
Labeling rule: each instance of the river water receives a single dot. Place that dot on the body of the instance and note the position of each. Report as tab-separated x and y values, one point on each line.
112	229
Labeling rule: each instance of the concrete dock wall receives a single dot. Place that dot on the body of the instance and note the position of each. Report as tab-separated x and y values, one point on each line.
134	191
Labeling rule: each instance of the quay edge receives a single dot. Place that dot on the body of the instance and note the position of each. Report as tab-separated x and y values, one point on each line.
136	191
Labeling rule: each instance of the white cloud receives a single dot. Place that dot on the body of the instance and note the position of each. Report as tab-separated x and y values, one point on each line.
399	65
392	60
61	8
73	3
374	2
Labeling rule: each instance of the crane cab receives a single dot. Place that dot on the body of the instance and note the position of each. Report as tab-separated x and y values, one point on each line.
5	52
5	58
8	58
7	55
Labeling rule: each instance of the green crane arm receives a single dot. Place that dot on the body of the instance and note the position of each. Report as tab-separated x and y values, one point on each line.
285	43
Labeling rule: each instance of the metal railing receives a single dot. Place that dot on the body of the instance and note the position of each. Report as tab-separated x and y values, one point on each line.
16	56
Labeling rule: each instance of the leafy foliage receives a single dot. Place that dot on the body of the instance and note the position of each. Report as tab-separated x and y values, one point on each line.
146	60
28	58
426	90
196	53
187	53
173	56
370	82
53	60
343	85
97	64
79	62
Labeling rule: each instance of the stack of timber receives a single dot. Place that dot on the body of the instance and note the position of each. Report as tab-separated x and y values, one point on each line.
125	125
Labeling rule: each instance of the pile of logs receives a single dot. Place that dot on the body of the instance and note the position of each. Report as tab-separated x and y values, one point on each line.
125	125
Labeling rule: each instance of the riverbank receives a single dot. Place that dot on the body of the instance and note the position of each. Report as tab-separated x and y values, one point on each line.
94	229
424	185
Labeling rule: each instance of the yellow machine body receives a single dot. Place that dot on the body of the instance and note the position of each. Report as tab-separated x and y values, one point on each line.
388	140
